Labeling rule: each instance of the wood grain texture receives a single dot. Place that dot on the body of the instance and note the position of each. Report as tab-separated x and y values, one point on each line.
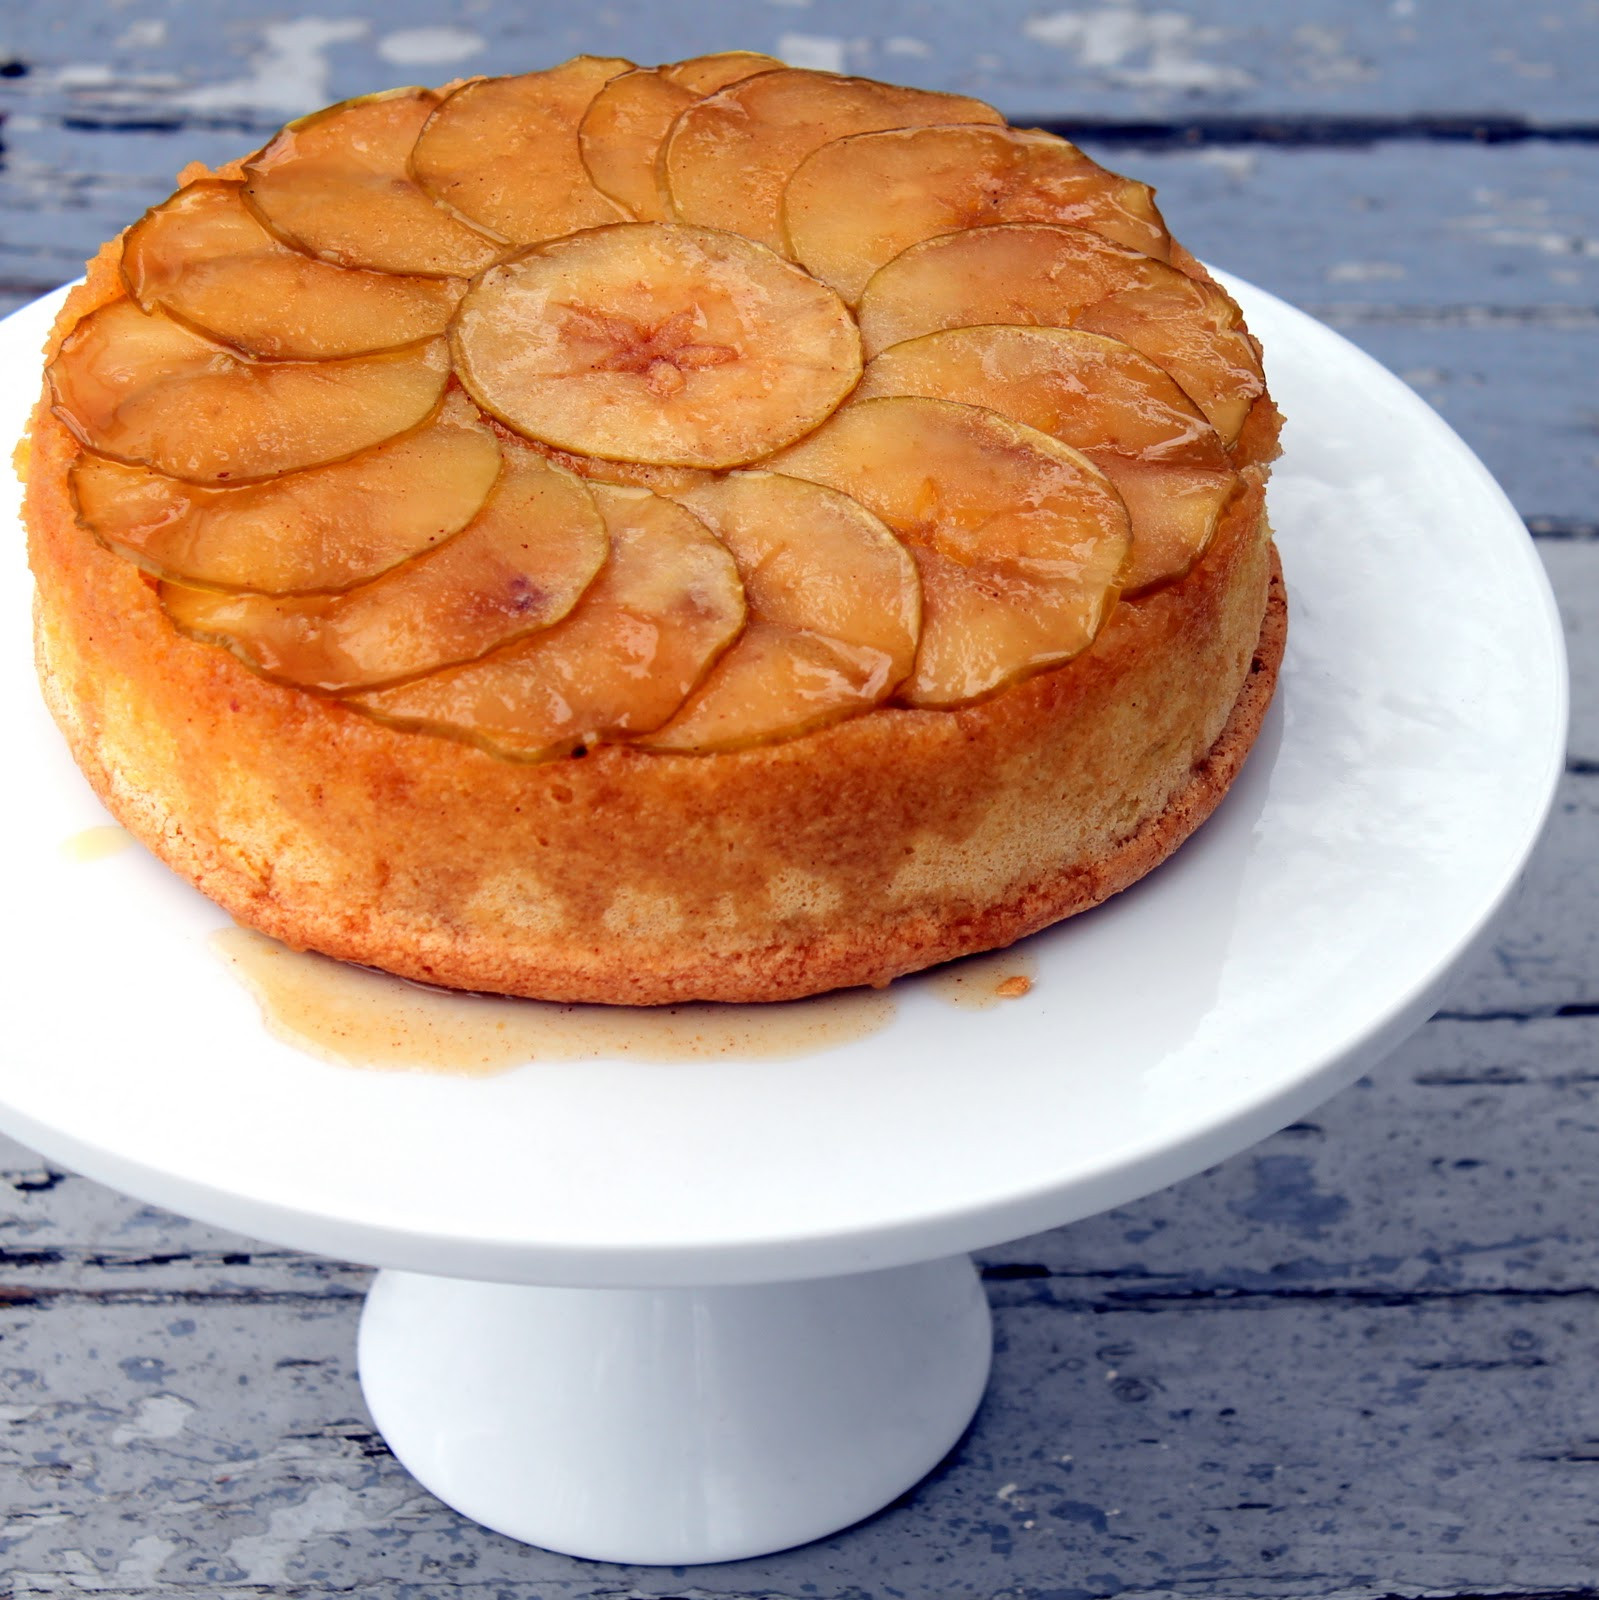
1126	59
1353	1362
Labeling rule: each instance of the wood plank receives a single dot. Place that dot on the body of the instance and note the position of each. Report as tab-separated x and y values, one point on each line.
1521	397
1136	59
1353	1362
1573	567
1542	952
1451	1169
1283	1449
1442	234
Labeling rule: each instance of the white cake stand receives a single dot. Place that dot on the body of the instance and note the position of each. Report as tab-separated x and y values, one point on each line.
687	1312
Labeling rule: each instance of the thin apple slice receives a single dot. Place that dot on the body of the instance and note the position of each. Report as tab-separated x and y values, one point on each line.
728	157
1035	273
855	204
1099	396
503	152
335	185
204	258
1020	539
834	614
627	122
145	390
319	531
1194	330
657	343
666	603
621	135
518	566
702	75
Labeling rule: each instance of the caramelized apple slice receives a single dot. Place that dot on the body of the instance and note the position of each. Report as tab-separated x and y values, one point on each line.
621	134
503	152
702	75
649	342
857	203
518	566
1020	539
319	531
203	257
663	607
148	391
1069	278
335	185
1100	397
625	125
728	157
835	611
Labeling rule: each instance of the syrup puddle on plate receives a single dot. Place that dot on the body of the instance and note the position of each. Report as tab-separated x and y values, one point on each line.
980	983
357	1017
95	844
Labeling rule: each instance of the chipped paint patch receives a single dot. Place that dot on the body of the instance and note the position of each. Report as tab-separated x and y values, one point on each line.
143	35
145	1558
289	73
1325	62
1287	1195
1239	165
1363	271
84	75
160	1416
820	52
1525	222
1140	49
429	45
264	1557
902	45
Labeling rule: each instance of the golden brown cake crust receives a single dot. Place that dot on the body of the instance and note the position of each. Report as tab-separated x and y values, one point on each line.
850	855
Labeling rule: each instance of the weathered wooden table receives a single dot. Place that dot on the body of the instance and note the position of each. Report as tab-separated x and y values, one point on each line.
1356	1361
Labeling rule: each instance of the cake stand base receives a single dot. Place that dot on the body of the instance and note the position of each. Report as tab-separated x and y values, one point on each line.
675	1426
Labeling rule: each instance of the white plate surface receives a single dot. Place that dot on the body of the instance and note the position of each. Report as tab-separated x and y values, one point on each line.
1401	780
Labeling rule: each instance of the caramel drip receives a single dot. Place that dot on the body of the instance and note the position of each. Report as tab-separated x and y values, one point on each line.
356	1017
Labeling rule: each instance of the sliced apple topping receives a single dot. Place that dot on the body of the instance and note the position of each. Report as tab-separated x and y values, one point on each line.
627	122
855	204
503	152
1020	539
834	613
649	342
203	257
1070	278
1099	396
319	531
335	185
143	389
729	156
518	566
666	603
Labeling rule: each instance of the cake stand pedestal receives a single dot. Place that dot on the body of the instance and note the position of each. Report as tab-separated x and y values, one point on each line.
675	1425
694	1310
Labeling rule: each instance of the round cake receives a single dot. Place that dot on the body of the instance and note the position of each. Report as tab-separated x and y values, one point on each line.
706	532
